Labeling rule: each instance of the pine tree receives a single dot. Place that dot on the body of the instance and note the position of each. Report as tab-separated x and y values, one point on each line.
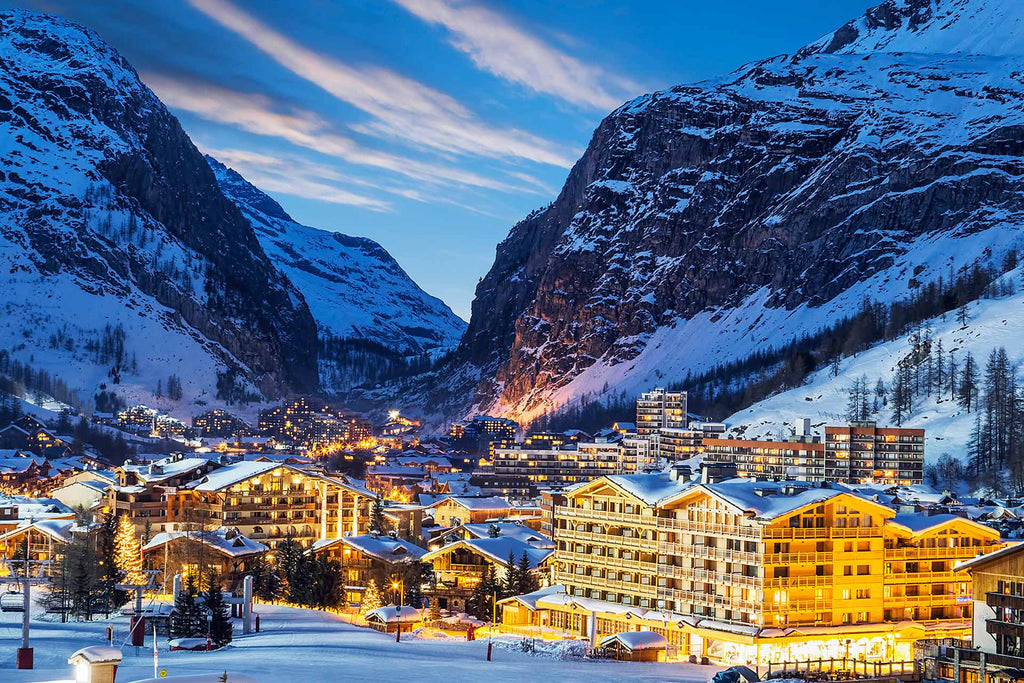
940	368
377	521
481	600
528	581
435	610
512	579
75	579
371	597
220	623
289	557
879	395
968	388
128	552
187	620
953	377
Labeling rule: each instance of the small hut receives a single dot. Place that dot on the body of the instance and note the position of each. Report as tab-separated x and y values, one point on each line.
636	646
387	619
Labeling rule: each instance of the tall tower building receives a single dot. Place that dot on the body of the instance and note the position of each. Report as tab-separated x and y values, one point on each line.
659	409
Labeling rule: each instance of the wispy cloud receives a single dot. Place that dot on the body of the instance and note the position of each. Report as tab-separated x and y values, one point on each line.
296	176
400	108
497	45
260	115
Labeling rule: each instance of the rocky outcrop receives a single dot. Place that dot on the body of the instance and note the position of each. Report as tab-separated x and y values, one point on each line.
111	216
709	220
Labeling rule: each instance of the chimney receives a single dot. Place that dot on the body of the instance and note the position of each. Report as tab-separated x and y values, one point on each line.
712	473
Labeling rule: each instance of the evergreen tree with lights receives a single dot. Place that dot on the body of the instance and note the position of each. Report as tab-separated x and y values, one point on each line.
371	597
128	552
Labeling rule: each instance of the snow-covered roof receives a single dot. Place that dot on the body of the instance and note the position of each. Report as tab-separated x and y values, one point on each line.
58	529
36	508
635	641
231	475
96	654
479	503
19	465
390	615
976	562
519	532
384	548
497	550
165	468
227	541
650	488
918	523
743	493
530	599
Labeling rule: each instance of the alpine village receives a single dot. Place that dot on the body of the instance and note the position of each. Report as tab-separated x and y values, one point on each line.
744	401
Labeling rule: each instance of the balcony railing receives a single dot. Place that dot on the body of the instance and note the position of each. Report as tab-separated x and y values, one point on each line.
600	516
709	528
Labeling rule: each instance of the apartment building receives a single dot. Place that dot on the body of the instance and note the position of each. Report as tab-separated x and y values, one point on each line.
857	453
572	463
863	451
752	572
796	459
658	409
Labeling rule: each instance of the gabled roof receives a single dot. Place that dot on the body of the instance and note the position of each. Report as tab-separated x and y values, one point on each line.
165	468
519	532
475	503
634	641
58	529
919	524
650	489
497	550
384	548
226	541
230	475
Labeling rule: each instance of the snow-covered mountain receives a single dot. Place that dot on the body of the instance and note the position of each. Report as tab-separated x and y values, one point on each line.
122	261
710	220
354	288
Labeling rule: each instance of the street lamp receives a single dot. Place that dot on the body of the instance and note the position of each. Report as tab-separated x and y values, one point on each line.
209	628
398	585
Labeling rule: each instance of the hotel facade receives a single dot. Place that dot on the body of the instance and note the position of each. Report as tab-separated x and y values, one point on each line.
756	572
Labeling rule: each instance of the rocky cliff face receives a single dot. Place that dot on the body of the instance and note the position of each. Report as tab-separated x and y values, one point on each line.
110	219
707	221
354	288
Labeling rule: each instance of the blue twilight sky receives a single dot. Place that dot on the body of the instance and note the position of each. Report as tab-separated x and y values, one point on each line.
430	126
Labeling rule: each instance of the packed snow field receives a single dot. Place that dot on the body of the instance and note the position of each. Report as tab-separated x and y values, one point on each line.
306	645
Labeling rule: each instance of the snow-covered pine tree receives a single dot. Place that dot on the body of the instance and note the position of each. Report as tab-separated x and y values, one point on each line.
128	552
377	521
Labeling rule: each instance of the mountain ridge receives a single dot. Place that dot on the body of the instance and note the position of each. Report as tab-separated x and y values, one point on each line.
709	220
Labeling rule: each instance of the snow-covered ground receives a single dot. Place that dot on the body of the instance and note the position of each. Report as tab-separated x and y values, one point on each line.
992	323
297	645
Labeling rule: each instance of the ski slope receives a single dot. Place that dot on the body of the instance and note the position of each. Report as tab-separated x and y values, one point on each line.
991	323
305	645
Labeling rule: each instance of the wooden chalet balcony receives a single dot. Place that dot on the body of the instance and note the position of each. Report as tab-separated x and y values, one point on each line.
606	539
823	532
702	598
709	528
797	558
725	554
920	578
911	553
1004	628
995	599
613	562
599	516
